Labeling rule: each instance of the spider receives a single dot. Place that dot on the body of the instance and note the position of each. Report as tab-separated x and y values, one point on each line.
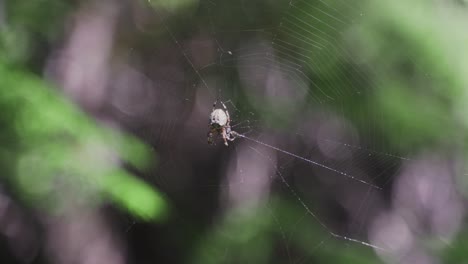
219	124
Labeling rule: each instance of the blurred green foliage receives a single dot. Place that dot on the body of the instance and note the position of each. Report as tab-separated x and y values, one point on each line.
456	253
51	153
171	6
56	153
403	60
27	25
419	47
277	232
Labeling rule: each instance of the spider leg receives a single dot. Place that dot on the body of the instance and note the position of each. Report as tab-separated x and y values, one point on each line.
227	113
232	104
210	135
214	105
232	135
225	136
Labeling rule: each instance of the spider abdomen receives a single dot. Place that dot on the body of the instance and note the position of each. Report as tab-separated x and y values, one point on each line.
219	117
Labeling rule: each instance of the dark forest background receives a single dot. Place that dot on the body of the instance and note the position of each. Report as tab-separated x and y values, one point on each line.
104	110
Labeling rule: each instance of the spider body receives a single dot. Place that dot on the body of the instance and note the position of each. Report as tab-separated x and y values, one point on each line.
219	118
219	124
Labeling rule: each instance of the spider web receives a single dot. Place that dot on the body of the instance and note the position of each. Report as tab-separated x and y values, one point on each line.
315	164
306	39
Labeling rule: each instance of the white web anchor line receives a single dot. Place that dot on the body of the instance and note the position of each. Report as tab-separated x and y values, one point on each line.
303	204
235	134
